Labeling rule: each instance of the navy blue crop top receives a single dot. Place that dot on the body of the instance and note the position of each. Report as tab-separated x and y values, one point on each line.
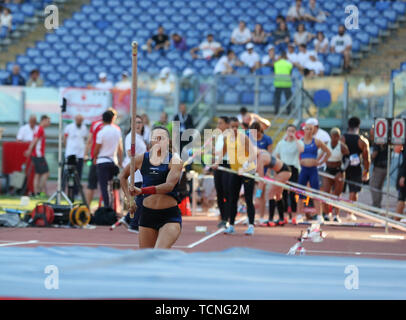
310	150
155	175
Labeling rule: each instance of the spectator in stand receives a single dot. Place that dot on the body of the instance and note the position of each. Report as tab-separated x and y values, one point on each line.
226	63
270	58
124	83
209	49
250	58
147	128
241	34
292	55
189	86
303	57
163	122
259	36
26	132
165	84
37	152
34	80
321	43
185	123
281	37
302	36
280	18
313	67
103	82
296	12
178	42
159	41
5	22
15	78
342	43
314	13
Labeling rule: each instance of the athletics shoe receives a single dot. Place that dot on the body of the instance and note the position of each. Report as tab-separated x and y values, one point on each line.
271	224
230	230
326	217
222	224
263	223
280	223
250	230
337	219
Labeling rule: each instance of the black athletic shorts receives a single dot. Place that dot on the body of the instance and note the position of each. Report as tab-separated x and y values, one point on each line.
40	165
284	168
333	171
157	218
92	180
353	174
402	191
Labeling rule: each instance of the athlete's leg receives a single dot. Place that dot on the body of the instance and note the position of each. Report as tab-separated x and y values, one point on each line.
147	237
168	235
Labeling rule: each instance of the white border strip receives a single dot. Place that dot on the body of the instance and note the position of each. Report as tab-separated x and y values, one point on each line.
18	243
358	253
194	244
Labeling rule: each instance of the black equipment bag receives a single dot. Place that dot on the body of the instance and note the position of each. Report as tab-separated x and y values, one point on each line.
104	216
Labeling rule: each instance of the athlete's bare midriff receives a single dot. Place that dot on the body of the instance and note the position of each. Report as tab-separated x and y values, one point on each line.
308	162
159	201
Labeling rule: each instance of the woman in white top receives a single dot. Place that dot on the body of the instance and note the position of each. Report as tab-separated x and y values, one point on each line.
5	22
301	36
321	43
288	151
147	128
334	186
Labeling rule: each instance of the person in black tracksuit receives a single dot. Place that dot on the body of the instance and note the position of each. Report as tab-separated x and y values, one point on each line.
222	178
358	147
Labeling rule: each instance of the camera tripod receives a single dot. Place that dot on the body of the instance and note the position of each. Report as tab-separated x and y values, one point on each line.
71	179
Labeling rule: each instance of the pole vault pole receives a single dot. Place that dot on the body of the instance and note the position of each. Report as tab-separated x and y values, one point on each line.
387	186
133	119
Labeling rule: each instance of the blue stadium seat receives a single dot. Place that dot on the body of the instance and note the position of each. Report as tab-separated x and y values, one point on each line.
83	69
382	5
63	69
18	18
381	22
265	99
335	60
92	61
372	14
66	54
365	6
28	9
70	23
391	15
230	97
356	45
244	71
400	7
327	69
247	97
363	37
90	78
73	62
264	71
373	30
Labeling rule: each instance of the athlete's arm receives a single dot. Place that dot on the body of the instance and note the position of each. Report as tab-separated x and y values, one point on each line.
31	147
364	146
88	145
120	153
260	170
344	149
126	173
175	172
327	152
96	152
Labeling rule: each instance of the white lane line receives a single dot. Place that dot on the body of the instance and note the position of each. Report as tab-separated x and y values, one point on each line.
194	244
387	236
358	253
18	243
85	244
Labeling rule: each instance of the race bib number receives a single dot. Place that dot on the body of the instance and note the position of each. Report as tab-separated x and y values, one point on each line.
354	160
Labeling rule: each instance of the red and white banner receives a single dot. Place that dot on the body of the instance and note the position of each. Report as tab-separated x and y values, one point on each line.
398	131
90	103
381	130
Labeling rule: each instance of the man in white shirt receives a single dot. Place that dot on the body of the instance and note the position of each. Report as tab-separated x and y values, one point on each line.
270	58
103	82
292	55
108	153
75	135
241	34
296	12
318	133
250	58
165	84
209	49
226	63
26	132
125	83
313	67
342	43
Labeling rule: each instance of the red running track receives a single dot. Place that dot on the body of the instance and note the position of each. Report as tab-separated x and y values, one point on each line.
340	241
